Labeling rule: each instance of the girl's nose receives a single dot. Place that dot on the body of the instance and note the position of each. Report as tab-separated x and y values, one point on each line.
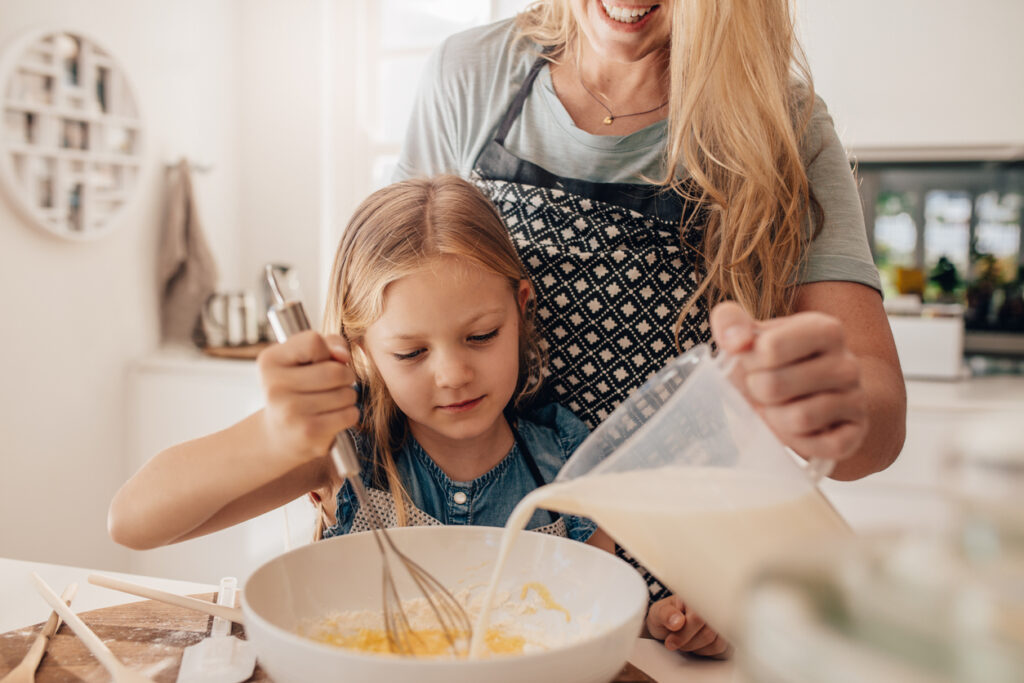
452	371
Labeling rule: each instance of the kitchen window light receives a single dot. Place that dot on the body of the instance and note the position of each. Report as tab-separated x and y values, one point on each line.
399	37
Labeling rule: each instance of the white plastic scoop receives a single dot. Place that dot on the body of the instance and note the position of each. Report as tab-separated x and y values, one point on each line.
221	658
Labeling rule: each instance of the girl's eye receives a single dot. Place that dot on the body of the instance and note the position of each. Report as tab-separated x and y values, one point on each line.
484	337
408	356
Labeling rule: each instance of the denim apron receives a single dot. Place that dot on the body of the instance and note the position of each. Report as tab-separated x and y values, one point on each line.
610	271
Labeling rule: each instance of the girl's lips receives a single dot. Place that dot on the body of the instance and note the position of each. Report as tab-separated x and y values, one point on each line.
463	406
622	26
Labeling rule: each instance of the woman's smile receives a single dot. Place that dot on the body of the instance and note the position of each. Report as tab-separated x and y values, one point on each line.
629	17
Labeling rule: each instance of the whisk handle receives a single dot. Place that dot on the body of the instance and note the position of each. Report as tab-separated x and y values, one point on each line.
343	455
288	317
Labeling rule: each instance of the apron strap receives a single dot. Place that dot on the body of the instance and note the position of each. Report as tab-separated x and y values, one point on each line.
512	113
531	463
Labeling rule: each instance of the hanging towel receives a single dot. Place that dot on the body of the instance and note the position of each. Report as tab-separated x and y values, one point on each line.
185	266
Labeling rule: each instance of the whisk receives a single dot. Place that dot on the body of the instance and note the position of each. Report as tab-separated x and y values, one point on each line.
288	317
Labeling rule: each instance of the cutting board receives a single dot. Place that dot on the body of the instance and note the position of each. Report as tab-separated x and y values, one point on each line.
147	636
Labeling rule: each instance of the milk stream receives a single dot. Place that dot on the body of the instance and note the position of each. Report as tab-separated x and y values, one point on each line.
703	531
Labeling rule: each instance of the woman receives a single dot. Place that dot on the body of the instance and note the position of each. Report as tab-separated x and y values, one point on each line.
668	177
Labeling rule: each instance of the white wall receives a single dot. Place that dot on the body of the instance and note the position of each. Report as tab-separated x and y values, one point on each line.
283	150
74	314
918	72
303	159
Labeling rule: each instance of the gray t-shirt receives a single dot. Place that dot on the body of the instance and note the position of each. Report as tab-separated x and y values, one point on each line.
471	79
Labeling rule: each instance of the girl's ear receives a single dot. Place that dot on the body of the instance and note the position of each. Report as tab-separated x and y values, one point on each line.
524	294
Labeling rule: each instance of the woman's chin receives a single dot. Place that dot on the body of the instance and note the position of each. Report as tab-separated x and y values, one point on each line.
622	42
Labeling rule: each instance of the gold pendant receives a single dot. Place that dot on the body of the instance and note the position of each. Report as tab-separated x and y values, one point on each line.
608	120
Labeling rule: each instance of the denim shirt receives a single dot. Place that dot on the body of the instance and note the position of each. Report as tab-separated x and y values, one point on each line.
551	434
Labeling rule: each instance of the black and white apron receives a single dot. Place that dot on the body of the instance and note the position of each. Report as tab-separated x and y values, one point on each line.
610	271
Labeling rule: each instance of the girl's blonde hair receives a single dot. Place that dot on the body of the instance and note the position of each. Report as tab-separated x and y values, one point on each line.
398	231
740	101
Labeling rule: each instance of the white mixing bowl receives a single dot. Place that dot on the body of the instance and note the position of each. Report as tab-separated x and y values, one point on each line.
343	573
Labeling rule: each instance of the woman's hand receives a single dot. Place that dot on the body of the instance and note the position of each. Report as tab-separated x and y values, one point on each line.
800	376
310	398
680	629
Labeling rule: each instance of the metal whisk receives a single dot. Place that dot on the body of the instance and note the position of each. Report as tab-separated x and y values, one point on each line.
287	318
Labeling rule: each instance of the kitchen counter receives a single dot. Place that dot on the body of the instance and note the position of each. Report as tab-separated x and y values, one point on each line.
972	394
21	607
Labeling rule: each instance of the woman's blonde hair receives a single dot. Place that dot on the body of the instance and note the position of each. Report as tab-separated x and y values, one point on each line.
741	99
398	231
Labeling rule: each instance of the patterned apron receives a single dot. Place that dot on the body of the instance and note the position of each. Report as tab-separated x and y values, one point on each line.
610	271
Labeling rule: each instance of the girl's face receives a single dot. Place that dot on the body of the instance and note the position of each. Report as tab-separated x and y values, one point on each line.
614	33
447	347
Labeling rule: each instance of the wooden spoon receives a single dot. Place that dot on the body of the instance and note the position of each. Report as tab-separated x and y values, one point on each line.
119	671
25	672
223	611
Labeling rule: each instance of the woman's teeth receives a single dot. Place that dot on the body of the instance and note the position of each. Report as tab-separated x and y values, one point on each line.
627	15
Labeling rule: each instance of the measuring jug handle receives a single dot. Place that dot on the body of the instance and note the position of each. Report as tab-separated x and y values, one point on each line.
816	469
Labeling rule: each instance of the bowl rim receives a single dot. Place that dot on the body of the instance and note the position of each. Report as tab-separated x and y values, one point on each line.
635	583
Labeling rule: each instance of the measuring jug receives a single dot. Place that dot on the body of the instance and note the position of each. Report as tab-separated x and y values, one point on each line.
686	476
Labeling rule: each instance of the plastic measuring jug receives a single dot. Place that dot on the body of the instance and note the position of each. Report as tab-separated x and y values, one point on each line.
693	484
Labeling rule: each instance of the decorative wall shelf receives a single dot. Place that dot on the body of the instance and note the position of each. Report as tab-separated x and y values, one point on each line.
71	141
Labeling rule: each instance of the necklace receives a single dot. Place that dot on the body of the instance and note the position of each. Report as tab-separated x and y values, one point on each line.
610	119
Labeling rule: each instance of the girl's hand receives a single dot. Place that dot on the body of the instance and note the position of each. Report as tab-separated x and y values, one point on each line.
668	620
800	376
308	386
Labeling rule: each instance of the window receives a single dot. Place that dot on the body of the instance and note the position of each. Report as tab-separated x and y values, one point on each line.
999	231
951	232
947	229
401	34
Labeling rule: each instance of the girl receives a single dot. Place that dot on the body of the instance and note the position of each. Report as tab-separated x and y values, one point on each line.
430	312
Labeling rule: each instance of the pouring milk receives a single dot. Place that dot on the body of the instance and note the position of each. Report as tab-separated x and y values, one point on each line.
687	478
702	531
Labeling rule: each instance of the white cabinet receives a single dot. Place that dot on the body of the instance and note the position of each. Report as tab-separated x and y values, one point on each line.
179	396
918	72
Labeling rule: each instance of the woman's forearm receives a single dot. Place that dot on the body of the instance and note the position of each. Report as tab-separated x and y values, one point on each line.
887	420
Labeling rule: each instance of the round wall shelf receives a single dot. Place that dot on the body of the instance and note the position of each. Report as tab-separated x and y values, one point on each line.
71	142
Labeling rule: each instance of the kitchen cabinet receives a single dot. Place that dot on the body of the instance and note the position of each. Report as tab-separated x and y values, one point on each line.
176	396
918	73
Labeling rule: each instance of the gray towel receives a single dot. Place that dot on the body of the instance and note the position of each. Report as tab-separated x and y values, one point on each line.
185	266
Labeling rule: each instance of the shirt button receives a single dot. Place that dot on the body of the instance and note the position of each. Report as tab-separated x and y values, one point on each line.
459	498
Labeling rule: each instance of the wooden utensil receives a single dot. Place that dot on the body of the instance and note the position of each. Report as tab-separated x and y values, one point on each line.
25	672
119	671
230	613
